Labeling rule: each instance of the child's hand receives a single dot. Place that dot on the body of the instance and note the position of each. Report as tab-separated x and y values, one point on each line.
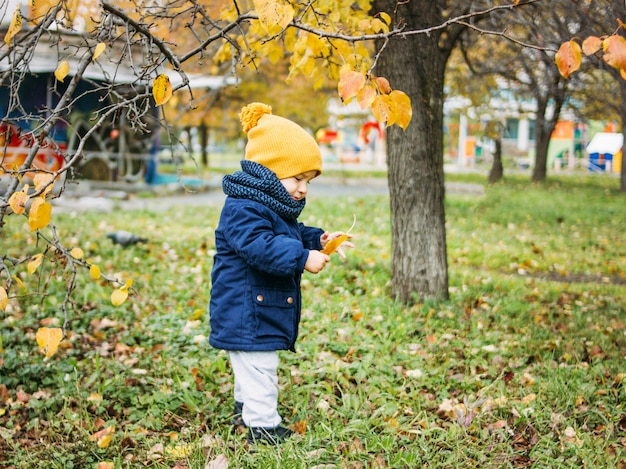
316	261
327	237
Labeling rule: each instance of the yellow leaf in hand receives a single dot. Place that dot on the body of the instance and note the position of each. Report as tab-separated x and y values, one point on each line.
35	262
48	340
333	244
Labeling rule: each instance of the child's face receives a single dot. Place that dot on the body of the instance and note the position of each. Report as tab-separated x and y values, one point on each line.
297	185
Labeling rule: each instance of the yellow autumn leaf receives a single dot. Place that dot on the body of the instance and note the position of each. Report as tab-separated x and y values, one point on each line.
334	244
179	451
17	280
14	27
386	18
48	339
100	48
42	180
4	299
402	108
18	200
161	89
383	85
591	45
103	437
614	49
382	109
40	214
106	465
349	85
94	272
34	262
119	296
273	15
77	253
568	58
365	97
62	70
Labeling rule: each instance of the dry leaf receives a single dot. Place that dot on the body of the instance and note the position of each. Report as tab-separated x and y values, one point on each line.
94	272
49	339
614	48
14	27
119	296
349	85
34	262
62	70
162	89
568	58
77	253
4	299
591	45
40	214
18	200
221	462
100	48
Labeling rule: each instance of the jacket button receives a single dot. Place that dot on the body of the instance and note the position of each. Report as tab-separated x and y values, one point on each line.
259	297
290	300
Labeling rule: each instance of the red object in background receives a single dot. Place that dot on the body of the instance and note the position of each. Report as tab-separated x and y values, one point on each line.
327	136
369	125
14	148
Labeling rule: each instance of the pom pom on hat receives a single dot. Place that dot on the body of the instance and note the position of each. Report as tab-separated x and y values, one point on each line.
250	115
278	143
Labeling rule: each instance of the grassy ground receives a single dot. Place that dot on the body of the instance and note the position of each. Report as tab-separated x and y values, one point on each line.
523	367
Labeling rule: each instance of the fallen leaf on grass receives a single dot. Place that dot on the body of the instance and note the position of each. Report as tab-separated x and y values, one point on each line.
300	426
221	462
48	340
103	437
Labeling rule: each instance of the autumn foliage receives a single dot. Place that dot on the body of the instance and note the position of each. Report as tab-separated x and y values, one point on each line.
611	49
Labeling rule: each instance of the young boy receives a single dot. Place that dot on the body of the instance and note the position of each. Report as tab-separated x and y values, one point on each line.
261	252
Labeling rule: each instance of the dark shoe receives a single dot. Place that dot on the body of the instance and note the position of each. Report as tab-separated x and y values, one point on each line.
236	419
272	436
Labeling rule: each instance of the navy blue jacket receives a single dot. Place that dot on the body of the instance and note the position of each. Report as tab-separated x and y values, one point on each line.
255	294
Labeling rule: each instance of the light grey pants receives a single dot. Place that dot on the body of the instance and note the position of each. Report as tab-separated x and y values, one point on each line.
256	385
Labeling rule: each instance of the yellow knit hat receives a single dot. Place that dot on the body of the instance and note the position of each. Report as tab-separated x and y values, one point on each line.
278	143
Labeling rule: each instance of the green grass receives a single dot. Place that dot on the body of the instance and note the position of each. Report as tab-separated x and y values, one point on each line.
522	367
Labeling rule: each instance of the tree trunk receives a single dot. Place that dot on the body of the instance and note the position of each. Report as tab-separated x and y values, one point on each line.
545	127
497	171
415	65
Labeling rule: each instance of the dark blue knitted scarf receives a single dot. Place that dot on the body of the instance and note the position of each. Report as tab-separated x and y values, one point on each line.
258	183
